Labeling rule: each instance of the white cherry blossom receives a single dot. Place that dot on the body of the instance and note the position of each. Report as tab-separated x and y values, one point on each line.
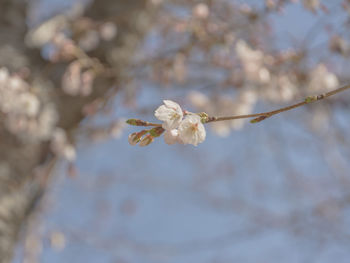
191	130
170	113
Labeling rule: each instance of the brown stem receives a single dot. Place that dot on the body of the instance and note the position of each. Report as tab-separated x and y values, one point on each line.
264	115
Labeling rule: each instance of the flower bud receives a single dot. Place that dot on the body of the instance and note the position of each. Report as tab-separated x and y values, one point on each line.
259	119
136	122
204	117
135	137
310	99
146	140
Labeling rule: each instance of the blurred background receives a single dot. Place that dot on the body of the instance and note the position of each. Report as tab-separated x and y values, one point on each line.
275	191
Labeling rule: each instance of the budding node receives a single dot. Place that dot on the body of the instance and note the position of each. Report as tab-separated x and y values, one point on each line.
310	99
258	119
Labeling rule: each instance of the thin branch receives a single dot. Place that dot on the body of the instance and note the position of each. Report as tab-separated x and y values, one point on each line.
257	116
264	115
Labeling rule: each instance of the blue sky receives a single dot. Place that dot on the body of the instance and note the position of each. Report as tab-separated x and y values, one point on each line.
227	200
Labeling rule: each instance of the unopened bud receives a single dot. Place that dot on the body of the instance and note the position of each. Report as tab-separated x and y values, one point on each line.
136	122
135	137
259	119
204	117
146	140
310	99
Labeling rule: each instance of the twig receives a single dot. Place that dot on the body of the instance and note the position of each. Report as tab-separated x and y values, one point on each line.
264	115
257	116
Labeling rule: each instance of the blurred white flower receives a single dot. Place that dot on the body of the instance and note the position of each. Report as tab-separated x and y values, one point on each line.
4	76
191	130
47	121
44	33
198	100
253	63
246	53
264	75
69	153
76	81
58	140
60	145
28	104
171	136
71	80
25	115
108	31
201	11
170	113
16	84
282	89
322	80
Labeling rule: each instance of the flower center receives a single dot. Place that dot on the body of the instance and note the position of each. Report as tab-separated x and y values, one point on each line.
194	127
174	116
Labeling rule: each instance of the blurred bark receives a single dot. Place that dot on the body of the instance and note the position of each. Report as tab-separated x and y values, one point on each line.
23	164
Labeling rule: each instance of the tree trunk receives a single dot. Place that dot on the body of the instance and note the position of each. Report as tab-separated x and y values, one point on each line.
25	164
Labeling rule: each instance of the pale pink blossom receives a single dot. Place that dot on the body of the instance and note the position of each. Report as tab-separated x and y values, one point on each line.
191	130
170	113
